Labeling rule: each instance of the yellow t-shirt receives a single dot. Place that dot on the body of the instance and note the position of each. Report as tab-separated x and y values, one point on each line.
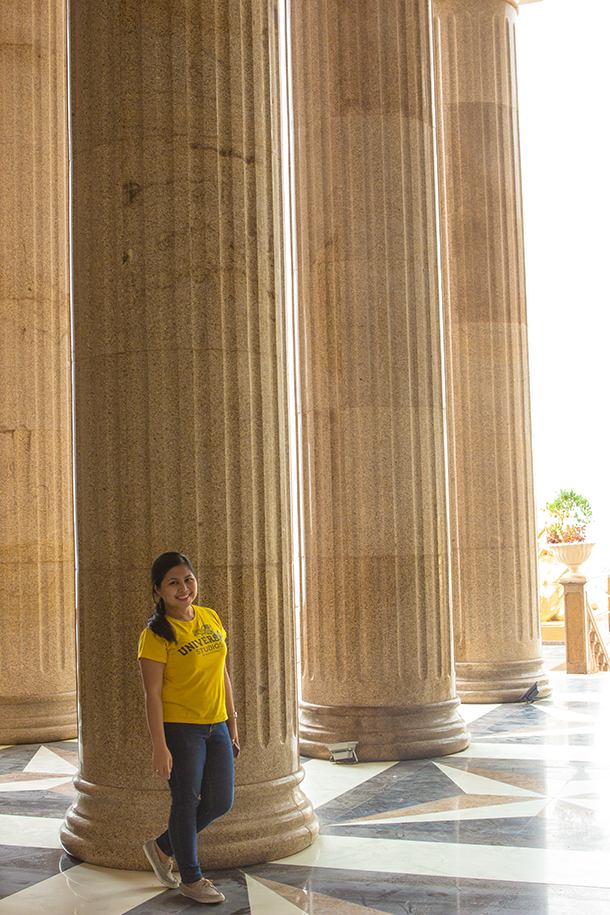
193	678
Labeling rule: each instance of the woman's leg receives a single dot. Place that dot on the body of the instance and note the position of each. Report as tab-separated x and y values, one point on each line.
218	777
188	745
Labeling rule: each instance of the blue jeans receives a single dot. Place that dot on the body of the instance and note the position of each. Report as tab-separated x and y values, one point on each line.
201	786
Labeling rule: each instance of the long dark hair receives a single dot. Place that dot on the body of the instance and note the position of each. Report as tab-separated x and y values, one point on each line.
158	622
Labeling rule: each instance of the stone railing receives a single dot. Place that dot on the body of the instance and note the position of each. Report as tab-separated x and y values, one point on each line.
586	651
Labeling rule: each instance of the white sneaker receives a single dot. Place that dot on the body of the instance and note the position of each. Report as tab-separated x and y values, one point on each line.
163	871
204	891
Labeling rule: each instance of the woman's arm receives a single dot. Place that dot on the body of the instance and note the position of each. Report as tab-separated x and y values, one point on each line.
152	678
232	718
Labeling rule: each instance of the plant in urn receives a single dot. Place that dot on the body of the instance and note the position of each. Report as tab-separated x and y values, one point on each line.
568	516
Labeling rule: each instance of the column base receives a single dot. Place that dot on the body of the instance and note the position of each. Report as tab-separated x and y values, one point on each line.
384	733
107	826
38	719
501	682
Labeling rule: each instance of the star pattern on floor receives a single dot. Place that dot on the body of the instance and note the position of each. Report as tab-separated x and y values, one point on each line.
511	823
486	794
269	896
47	770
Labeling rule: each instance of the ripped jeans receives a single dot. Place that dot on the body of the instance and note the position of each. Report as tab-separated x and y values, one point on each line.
201	785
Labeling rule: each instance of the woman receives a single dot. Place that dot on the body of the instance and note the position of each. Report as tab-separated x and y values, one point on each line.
191	718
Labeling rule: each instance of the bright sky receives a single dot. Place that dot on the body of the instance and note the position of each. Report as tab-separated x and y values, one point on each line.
564	87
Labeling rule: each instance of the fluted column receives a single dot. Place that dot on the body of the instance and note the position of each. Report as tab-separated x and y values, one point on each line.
37	663
496	617
181	416
377	663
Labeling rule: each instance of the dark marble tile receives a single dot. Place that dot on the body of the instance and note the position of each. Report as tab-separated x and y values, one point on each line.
15	759
541	776
567	829
63	745
472	832
489	720
562	824
232	883
547	737
422	895
169	903
34	803
427	785
27	750
404	785
369	791
513	717
23	867
415	895
536	768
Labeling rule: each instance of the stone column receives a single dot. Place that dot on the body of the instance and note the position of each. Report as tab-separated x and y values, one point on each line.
180	401
494	553
37	663
377	662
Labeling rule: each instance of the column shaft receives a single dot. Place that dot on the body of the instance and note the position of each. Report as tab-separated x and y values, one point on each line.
377	663
496	617
181	415
37	658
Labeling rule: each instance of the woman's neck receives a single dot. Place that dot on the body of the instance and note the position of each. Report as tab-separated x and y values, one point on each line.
185	617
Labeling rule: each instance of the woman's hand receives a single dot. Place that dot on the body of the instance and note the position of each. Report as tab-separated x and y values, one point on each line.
162	762
232	717
232	726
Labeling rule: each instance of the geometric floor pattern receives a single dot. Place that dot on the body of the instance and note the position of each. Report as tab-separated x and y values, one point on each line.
517	824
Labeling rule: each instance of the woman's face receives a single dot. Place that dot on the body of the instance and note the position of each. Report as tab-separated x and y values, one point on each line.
178	590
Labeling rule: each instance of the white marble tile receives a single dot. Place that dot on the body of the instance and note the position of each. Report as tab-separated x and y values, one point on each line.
575	786
35	784
537	732
492	812
543	751
470	713
554	787
30	832
264	901
592	804
593	794
45	760
84	890
443	859
562	682
324	781
566	697
568	715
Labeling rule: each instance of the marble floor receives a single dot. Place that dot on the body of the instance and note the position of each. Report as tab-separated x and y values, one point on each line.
518	824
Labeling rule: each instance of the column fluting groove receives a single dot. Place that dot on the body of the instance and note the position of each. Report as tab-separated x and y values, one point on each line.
180	401
496	617
376	631
37	651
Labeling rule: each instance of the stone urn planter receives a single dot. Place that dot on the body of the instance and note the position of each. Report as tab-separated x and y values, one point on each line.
571	554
